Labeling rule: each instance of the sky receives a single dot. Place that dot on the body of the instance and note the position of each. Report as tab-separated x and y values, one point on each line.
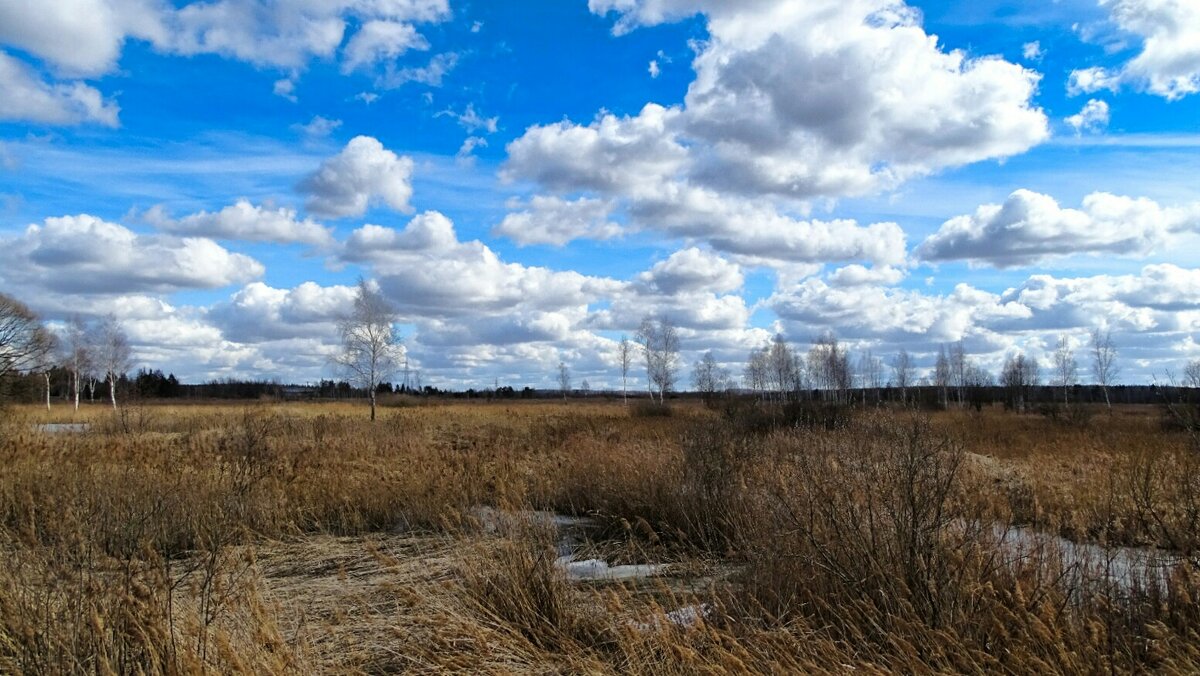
526	181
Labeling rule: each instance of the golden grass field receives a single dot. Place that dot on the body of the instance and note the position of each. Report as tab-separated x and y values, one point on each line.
301	538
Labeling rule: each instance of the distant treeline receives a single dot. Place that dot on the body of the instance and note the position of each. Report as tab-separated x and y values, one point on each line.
154	384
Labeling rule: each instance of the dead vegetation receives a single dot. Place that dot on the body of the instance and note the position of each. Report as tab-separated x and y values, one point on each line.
297	539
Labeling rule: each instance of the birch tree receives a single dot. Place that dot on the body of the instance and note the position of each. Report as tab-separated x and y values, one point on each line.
564	380
625	357
1104	362
660	346
371	349
113	354
902	373
77	355
1066	368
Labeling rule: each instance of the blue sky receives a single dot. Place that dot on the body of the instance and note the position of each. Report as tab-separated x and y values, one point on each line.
527	180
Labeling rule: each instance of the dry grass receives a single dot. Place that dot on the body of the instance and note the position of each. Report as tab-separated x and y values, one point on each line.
298	538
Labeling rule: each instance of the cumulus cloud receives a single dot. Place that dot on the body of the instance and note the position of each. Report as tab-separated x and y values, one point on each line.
245	221
86	255
612	154
379	40
858	275
1031	227
761	235
892	315
24	96
258	312
691	270
1168	64
832	98
362	174
1032	51
79	37
1093	117
85	37
552	220
427	271
791	103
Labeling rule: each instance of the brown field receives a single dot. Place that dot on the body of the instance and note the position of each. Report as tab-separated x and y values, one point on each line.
300	538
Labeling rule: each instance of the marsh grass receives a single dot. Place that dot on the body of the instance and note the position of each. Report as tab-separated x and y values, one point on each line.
298	538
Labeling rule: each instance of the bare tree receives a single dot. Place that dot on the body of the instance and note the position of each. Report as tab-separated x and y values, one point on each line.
1191	374
708	377
564	380
902	373
371	348
660	344
1104	361
1066	368
1020	373
829	365
47	363
77	355
756	372
783	368
870	370
958	369
112	353
941	375
625	356
24	342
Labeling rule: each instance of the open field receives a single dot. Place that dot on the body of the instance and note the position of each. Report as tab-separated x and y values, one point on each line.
293	538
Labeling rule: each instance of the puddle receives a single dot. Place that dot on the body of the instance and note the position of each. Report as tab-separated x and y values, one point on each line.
1126	567
570	535
63	428
597	569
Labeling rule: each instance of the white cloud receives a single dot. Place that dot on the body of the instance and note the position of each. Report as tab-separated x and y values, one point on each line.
1168	64
427	271
1090	80
466	151
612	154
690	270
1032	51
829	98
552	220
259	312
318	127
1031	227
85	37
791	103
362	174
858	275
86	255
79	37
471	120
285	88
247	222
653	69
896	316
430	74
1092	118
25	97
379	40
761	235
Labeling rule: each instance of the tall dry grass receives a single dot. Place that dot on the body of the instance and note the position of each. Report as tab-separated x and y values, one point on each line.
877	542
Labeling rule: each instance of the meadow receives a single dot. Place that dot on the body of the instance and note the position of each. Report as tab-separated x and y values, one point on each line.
302	538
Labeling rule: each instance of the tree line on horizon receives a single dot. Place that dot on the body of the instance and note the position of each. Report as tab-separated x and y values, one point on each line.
93	358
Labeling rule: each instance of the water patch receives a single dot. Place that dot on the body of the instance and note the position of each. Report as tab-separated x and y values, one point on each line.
63	428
